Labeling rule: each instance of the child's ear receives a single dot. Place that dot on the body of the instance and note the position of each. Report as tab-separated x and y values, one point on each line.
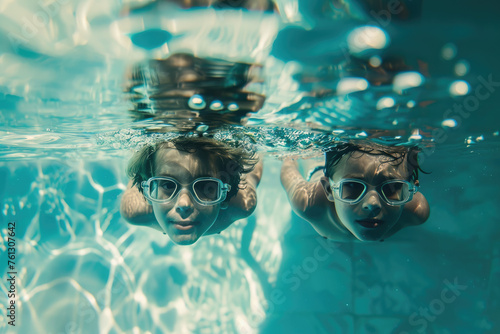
325	183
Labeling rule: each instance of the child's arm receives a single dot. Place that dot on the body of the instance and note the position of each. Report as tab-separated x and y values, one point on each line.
309	201
136	210
242	204
294	183
416	211
306	198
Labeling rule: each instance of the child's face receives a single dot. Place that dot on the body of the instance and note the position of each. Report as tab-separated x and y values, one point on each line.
182	218
372	217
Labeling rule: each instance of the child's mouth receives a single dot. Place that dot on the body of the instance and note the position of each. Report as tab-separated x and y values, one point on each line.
184	225
369	223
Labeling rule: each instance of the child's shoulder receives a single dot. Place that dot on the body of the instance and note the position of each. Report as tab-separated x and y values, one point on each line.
309	200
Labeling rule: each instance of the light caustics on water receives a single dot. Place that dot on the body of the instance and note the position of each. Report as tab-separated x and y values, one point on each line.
61	96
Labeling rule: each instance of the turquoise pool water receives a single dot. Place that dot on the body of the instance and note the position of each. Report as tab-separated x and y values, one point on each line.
66	136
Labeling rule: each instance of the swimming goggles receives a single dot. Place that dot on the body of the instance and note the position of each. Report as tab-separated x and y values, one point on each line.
204	190
393	192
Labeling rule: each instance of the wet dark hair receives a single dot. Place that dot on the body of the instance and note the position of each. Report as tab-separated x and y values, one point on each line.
396	155
232	163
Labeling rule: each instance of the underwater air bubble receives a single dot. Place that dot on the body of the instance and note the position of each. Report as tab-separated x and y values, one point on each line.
480	138
449	51
233	107
462	68
411	104
202	128
496	133
367	38
375	61
407	80
459	87
349	85
216	105
449	123
385	102
196	102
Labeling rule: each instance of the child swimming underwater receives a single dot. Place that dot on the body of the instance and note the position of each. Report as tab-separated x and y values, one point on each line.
368	193
190	187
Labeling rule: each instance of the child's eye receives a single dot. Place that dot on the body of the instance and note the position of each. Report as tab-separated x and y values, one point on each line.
207	190
352	190
393	190
167	187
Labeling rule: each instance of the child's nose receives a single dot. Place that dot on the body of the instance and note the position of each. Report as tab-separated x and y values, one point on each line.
184	206
371	203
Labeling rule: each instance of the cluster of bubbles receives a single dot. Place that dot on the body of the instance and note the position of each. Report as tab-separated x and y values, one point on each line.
197	102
